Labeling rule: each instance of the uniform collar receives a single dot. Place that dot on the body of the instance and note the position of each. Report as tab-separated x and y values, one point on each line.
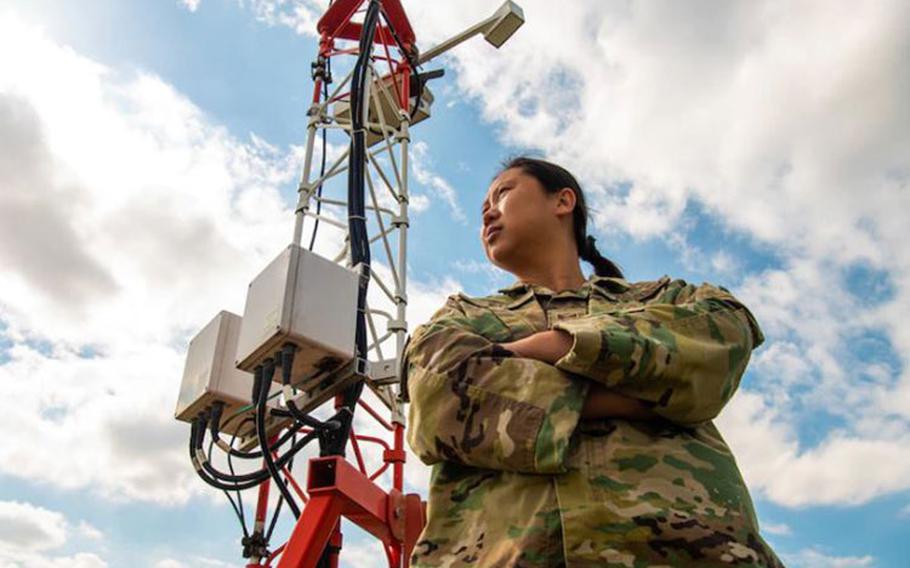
605	283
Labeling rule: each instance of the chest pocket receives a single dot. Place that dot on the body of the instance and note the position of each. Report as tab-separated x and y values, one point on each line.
558	309
635	297
503	321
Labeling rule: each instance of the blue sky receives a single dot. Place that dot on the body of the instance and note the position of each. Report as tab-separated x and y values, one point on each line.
151	152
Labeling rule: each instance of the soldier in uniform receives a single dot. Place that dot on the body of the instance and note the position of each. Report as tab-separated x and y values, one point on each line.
568	420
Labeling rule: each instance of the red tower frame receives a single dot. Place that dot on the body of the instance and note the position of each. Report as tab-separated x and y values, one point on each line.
336	488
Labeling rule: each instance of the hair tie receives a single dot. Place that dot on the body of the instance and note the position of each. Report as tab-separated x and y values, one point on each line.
589	245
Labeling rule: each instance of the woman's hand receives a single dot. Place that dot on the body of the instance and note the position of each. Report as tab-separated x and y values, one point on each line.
552	345
602	402
548	346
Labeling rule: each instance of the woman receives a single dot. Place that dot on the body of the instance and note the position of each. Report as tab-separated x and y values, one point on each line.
569	420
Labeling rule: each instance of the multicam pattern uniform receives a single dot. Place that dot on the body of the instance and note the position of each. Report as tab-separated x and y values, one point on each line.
519	480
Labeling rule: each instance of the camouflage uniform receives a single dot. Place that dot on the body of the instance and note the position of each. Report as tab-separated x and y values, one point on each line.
518	479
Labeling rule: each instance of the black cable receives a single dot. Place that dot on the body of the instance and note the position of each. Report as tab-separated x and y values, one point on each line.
215	427
231	468
412	61
238	512
333	443
201	472
268	534
196	440
256	476
287	364
266	371
325	95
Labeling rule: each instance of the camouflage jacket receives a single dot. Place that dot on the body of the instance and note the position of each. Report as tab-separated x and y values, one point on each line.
519	479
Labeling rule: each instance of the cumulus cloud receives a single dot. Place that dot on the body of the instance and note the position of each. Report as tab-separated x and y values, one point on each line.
777	528
116	252
29	534
442	189
835	472
813	558
191	5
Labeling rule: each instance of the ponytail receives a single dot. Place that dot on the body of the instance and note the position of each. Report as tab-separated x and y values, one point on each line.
602	266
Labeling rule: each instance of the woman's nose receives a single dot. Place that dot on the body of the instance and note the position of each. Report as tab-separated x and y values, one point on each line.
489	215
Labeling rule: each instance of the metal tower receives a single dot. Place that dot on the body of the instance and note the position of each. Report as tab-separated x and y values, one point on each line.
308	334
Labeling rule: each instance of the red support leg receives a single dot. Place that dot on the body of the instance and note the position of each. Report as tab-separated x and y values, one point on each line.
316	524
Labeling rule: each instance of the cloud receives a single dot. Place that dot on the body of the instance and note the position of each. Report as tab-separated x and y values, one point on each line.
781	529
117	252
420	165
28	533
813	558
361	551
835	472
191	5
36	210
495	276
28	527
88	531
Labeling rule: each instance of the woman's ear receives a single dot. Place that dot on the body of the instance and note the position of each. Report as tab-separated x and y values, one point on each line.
565	201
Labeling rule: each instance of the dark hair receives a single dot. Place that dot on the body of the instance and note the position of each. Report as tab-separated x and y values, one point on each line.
553	178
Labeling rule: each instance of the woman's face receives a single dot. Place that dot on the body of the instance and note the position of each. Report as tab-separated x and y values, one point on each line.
519	219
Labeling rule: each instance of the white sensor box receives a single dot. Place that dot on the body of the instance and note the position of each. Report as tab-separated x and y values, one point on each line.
306	300
386	90
210	376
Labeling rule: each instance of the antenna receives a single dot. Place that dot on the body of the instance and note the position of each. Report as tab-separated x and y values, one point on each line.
307	335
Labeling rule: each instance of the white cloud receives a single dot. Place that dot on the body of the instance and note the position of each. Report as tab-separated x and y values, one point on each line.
362	550
781	529
496	277
78	560
835	472
27	527
813	558
117	252
191	5
299	15
28	533
420	166
86	530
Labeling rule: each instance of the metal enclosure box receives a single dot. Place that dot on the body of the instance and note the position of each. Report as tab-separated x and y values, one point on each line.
384	89
303	299
209	374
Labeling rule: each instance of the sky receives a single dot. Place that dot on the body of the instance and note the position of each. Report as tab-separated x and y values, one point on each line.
149	157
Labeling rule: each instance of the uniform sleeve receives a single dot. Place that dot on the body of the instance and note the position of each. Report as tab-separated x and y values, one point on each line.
683	353
474	402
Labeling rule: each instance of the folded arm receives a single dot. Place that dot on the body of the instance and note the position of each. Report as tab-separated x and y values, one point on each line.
683	354
473	401
601	402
